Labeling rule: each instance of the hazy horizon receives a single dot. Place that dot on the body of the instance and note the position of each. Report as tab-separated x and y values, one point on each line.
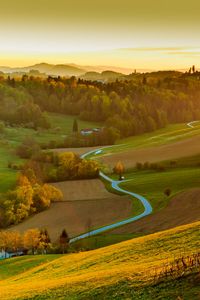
146	35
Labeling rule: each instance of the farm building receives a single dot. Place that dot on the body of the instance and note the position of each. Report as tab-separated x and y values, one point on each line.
88	131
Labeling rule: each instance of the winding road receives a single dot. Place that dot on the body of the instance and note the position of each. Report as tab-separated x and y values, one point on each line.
115	186
191	124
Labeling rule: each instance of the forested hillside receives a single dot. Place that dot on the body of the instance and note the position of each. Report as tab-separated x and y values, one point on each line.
17	106
139	104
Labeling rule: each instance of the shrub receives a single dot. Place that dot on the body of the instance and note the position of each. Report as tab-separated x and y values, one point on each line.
139	166
167	192
146	165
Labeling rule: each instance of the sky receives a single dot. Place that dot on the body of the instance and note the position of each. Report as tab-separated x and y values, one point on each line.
145	34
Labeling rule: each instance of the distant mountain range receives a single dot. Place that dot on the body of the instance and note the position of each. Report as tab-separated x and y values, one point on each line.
48	69
101	73
87	72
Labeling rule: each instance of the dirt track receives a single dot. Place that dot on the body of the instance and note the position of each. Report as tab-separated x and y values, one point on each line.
182	209
179	149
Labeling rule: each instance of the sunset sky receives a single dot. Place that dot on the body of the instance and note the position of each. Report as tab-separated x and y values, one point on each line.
146	34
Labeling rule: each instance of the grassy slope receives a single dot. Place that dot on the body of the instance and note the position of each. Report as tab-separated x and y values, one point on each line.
14	136
121	271
63	124
151	184
7	176
169	134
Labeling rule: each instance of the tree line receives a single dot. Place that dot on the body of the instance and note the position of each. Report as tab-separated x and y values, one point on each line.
33	193
141	104
33	241
17	107
28	197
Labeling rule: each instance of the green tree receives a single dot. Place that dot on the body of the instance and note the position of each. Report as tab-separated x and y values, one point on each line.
2	127
64	240
167	192
75	126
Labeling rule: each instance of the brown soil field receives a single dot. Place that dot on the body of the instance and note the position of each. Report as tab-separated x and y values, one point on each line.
184	208
178	149
78	216
83	190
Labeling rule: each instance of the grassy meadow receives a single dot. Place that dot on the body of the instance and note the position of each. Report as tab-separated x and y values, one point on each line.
121	271
171	133
152	184
62	126
13	136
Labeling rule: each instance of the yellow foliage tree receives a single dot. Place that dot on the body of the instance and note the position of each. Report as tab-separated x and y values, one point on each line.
15	240
119	169
32	239
44	195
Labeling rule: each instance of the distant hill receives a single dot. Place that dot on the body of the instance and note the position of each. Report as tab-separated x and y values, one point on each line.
70	69
103	73
100	69
49	69
103	76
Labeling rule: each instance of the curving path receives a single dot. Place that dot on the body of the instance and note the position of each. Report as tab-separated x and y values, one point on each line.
191	124
115	186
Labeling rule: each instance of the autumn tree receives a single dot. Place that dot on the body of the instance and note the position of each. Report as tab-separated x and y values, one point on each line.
43	195
119	169
4	241
87	169
15	241
18	204
45	240
32	239
67	165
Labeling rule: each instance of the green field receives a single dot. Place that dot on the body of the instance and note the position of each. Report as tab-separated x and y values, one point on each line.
61	126
121	271
102	240
7	176
65	123
169	134
12	267
151	184
13	136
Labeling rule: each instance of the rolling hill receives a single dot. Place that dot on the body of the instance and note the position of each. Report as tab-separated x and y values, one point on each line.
66	69
49	69
87	204
104	76
173	150
123	271
182	209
